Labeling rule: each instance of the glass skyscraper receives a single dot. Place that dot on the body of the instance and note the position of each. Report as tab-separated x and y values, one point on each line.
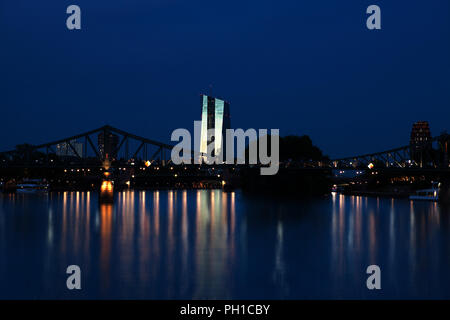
215	115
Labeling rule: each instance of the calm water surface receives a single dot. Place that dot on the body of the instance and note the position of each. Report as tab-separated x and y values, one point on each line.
209	244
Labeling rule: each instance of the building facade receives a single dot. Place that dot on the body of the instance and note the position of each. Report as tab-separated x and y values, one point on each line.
108	146
420	141
420	133
215	115
64	149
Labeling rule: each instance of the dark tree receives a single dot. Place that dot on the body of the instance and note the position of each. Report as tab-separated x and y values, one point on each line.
293	148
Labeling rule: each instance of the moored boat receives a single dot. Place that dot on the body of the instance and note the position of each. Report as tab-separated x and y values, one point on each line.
431	194
32	186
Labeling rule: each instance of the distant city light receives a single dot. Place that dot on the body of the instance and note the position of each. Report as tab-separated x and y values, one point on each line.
370	165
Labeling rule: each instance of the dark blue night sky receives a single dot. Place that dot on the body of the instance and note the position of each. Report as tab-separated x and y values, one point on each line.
306	67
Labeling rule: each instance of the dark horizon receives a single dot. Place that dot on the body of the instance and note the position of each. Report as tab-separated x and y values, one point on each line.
305	68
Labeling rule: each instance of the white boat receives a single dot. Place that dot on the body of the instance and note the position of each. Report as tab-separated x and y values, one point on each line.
32	186
431	194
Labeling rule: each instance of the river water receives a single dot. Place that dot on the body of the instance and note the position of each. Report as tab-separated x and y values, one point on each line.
208	244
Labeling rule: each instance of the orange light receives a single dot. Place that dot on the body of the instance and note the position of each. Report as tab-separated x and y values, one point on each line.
106	186
147	163
370	165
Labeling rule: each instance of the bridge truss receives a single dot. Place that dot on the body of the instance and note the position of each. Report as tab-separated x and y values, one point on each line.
431	154
94	146
88	148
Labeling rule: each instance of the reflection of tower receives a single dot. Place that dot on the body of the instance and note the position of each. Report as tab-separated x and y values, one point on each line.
108	145
216	116
106	216
420	141
215	241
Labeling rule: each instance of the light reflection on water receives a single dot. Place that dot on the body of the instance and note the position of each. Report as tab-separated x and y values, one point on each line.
212	244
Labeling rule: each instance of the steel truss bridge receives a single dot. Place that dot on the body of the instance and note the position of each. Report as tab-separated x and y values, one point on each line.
431	154
115	144
87	148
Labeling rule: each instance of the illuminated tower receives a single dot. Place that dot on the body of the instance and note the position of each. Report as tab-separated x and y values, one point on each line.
215	115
